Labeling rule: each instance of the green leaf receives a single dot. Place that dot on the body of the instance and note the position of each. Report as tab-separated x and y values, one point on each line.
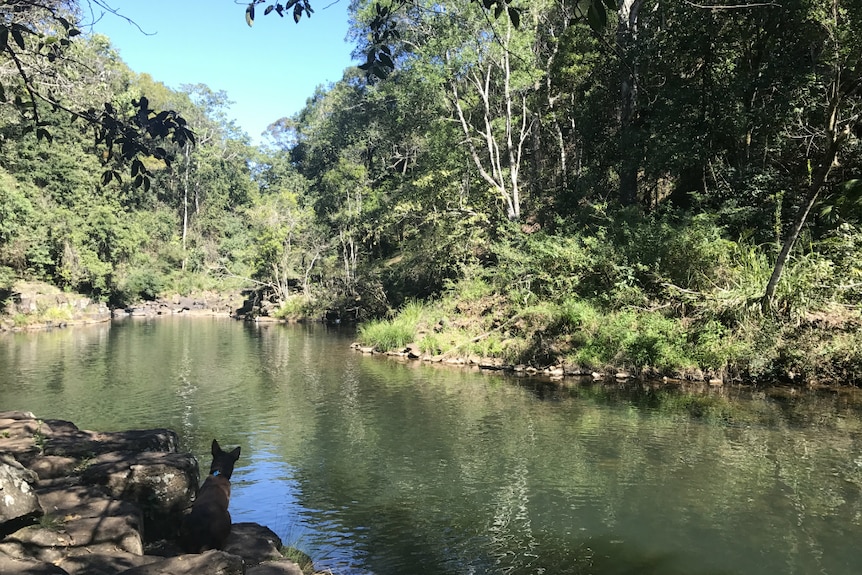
19	39
4	37
379	71
515	16
596	16
43	134
249	15
107	176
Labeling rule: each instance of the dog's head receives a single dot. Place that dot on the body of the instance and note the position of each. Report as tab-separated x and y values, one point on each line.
223	461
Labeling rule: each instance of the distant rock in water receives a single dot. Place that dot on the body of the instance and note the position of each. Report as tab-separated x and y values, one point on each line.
207	303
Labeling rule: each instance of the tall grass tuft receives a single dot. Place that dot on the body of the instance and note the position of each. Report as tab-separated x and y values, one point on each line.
385	335
394	333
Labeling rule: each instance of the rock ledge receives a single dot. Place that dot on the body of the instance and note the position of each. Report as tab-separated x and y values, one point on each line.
81	502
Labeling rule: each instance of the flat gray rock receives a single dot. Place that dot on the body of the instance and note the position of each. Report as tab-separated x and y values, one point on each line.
209	563
254	543
15	566
282	567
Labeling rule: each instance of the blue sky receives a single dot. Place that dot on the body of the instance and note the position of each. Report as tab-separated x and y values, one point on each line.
268	70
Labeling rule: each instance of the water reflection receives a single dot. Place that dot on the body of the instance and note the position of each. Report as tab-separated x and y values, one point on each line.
373	466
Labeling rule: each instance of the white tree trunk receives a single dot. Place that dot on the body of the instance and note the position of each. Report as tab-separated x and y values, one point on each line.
496	101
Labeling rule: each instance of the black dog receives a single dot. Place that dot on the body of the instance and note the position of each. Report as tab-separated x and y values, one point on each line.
207	526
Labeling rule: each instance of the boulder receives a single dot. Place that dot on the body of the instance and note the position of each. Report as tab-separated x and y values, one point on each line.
102	562
19	566
161	484
19	437
209	562
281	567
87	536
254	543
76	502
17	415
98	494
53	466
61	439
18	504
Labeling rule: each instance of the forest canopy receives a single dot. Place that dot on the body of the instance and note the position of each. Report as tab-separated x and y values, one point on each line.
665	185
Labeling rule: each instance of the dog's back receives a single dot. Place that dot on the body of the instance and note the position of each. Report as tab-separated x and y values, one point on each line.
207	526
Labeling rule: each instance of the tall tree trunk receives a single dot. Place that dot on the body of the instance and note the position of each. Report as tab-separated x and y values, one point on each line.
186	204
818	179
834	140
629	138
504	152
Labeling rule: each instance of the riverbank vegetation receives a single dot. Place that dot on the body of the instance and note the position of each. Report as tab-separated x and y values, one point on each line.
677	193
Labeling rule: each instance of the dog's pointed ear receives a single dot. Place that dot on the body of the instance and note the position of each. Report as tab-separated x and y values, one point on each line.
235	454
216	448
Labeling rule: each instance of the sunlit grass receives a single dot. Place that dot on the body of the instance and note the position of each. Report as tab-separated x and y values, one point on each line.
386	335
293	308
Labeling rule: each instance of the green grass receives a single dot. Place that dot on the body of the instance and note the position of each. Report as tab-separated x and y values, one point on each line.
293	308
306	565
387	335
57	313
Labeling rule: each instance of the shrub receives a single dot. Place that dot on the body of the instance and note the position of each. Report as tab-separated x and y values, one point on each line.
143	284
490	346
574	314
293	307
57	313
657	342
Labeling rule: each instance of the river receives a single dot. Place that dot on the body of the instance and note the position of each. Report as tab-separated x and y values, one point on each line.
374	466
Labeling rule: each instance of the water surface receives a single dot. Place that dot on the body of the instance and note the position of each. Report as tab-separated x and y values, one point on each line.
374	466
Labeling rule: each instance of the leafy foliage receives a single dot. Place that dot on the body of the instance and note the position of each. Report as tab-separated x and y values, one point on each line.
586	183
38	40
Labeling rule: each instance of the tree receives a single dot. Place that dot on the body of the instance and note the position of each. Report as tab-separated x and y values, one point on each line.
630	138
287	246
497	136
36	49
834	115
383	32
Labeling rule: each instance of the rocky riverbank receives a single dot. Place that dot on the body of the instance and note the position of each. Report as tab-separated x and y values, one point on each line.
82	502
37	305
